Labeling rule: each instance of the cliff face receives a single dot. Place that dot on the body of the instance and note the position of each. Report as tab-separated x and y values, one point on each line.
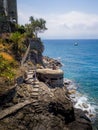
36	51
35	105
38	107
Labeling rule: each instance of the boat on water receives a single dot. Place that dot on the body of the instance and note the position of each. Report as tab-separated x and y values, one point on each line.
75	44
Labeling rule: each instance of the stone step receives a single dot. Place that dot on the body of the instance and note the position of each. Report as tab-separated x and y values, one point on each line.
35	89
30	70
36	86
37	107
30	76
36	82
39	110
35	97
36	103
29	82
29	73
35	93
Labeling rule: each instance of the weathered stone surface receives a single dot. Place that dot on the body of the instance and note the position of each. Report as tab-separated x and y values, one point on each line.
50	62
37	106
6	95
13	109
51	110
71	91
50	71
54	78
36	51
81	121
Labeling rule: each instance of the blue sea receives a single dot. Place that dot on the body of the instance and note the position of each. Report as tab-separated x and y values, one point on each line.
80	64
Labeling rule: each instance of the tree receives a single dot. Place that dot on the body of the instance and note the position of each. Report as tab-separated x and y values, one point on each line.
29	31
36	26
31	19
21	29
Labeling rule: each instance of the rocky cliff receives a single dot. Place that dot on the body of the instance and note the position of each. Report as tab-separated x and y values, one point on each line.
36	51
34	105
38	107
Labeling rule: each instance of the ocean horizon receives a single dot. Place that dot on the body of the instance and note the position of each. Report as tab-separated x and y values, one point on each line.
80	65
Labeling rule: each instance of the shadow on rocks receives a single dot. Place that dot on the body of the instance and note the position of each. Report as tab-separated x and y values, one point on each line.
58	110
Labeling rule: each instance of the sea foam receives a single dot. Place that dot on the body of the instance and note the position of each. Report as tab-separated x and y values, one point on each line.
79	100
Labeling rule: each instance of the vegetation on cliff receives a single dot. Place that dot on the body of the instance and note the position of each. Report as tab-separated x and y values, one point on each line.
12	48
14	45
36	26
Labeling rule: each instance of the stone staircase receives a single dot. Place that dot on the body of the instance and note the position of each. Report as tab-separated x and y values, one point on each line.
35	96
35	91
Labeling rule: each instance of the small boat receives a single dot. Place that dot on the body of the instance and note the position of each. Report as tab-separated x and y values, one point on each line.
75	44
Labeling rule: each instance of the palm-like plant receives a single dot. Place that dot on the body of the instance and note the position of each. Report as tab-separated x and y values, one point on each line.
36	26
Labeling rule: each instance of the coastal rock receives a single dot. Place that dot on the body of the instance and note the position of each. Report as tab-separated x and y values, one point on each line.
51	109
81	122
40	104
50	62
34	116
85	105
34	105
67	81
36	49
71	91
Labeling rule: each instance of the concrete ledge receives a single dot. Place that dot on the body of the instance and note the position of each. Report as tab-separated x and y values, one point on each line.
50	71
53	78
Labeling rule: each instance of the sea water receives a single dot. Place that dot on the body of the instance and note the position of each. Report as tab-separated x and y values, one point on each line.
80	65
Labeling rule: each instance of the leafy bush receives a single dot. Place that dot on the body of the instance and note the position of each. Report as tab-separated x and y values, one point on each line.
14	37
19	44
6	70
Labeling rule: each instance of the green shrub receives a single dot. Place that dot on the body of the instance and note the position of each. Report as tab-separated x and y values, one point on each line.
19	44
14	37
6	70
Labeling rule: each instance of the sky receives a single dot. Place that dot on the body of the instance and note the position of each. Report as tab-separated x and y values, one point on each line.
65	19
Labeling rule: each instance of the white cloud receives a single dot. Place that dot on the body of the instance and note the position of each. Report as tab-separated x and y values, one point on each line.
23	17
69	25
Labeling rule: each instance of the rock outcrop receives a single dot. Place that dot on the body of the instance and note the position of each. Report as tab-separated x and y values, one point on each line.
37	107
36	50
51	63
34	104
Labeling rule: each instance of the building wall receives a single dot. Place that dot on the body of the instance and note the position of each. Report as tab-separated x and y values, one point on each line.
12	10
1	8
2	15
8	8
5	4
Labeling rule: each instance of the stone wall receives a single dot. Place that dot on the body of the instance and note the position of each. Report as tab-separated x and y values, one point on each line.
12	10
54	78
